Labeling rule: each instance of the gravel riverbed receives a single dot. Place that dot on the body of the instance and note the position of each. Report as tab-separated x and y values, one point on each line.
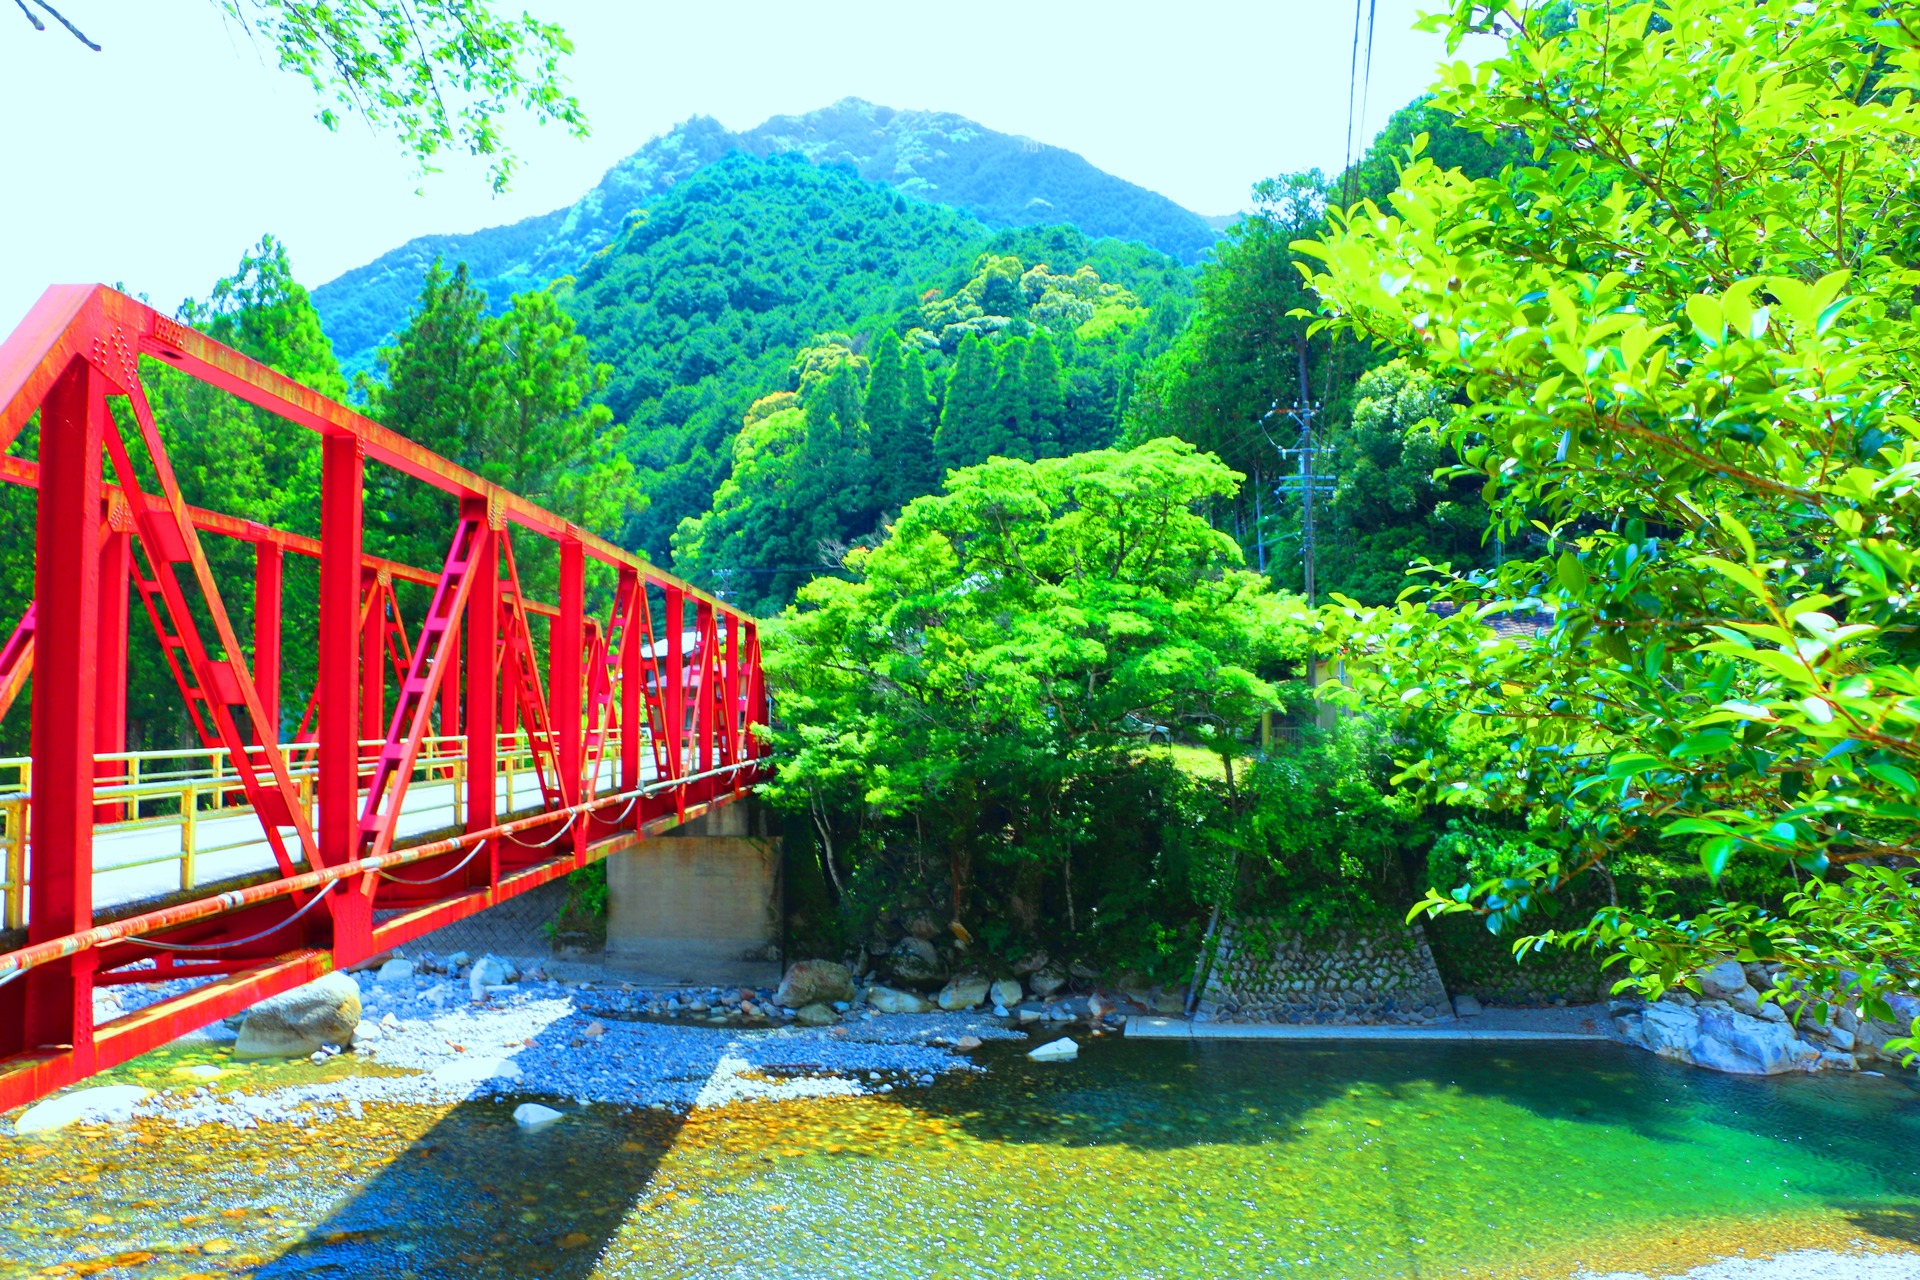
588	1041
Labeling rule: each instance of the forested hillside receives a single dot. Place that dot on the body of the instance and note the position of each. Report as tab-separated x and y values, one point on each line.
700	307
1232	385
1000	179
1029	352
711	301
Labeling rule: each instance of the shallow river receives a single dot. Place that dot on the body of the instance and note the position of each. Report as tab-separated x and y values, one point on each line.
1139	1159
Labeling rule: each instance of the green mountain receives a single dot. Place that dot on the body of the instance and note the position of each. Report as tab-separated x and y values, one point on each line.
703	303
998	179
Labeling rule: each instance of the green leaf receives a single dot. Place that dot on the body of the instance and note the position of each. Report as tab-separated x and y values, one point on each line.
1572	574
1696	827
1715	854
1627	764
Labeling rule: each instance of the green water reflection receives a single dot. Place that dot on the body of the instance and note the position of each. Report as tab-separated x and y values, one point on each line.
1149	1159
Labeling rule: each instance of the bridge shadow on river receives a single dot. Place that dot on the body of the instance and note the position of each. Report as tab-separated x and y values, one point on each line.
476	1196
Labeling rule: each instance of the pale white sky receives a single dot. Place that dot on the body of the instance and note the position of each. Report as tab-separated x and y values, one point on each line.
158	161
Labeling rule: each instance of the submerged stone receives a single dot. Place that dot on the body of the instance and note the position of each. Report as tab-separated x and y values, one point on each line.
107	1102
1055	1051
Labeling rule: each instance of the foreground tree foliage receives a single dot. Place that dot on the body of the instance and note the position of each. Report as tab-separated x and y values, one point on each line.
438	74
989	678
1686	338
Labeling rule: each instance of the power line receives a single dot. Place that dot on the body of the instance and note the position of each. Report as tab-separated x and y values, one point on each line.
1357	79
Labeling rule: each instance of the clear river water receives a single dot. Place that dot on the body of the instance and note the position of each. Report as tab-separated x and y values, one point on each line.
1342	1161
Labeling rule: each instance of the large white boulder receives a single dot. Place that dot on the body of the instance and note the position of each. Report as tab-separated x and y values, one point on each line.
531	1115
106	1102
814	982
963	992
890	1000
295	1023
1723	981
1720	1039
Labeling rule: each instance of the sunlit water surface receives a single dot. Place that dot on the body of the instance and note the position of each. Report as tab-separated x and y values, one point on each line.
1139	1159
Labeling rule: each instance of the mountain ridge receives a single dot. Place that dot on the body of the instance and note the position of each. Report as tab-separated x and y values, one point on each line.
1003	180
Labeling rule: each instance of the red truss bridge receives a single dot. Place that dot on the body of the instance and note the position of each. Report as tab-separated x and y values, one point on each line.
256	864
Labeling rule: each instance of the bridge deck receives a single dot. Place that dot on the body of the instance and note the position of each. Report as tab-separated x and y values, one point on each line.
255	868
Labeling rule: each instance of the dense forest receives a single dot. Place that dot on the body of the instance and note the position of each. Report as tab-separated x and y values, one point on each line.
1024	509
1000	180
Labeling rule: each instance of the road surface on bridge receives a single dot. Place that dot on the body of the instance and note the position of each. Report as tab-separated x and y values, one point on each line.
142	863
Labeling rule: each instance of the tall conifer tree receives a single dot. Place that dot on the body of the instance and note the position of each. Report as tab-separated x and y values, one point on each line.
967	429
1013	425
918	472
432	395
886	422
1046	403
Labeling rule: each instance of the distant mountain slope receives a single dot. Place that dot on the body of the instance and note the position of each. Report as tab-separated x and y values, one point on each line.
1000	179
700	304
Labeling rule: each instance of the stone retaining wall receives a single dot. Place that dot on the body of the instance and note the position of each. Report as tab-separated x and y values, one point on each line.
1476	963
1383	974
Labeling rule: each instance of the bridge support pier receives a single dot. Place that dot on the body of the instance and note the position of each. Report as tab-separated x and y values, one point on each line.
700	904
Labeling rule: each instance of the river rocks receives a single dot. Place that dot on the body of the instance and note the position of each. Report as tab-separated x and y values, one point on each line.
1055	1051
1032	962
1168	1003
107	1102
923	927
296	1023
963	992
1466	1007
1721	1039
1006	993
395	973
913	962
967	1044
814	982
487	972
1047	979
816	1015
889	1000
1722	980
531	1115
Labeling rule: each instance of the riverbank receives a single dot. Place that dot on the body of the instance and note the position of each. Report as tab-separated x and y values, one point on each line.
586	1037
894	1145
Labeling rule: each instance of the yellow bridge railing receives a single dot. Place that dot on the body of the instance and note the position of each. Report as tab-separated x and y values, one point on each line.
152	791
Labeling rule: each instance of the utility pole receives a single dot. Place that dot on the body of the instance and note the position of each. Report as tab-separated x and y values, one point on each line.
1307	481
1307	484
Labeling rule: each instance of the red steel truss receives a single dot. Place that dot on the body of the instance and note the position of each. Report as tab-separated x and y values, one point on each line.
669	684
